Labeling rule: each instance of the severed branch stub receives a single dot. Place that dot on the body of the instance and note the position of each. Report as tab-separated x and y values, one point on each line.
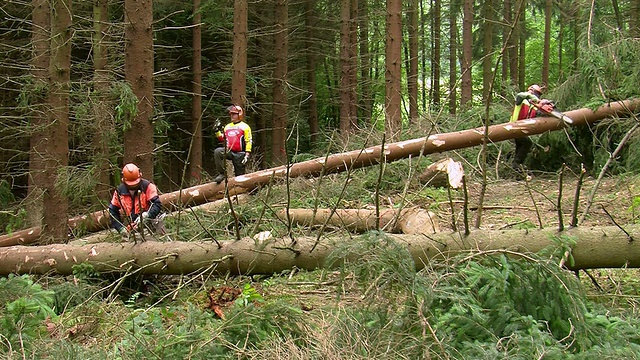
446	173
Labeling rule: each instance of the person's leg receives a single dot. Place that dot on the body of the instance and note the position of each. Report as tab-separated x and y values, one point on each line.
523	146
238	166
218	157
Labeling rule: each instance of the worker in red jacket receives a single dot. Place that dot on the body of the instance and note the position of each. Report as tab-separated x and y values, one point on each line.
135	201
236	139
527	105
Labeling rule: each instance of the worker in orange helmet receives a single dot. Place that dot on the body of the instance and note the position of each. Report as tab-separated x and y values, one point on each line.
135	201
237	141
527	106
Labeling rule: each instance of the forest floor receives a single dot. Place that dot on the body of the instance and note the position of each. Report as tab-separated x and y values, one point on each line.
511	204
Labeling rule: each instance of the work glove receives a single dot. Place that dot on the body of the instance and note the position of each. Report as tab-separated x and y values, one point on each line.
143	218
246	158
124	233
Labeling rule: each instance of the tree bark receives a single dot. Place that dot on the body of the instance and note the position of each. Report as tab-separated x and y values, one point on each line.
40	57
280	36
57	148
412	77
138	68
239	66
407	221
467	55
435	143
195	153
598	247
103	113
393	73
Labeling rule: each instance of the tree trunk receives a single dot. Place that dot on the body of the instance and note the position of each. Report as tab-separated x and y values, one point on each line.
597	247
57	148
366	97
355	159
39	70
453	57
408	221
412	78
311	57
467	39
102	109
195	153
546	50
279	135
345	64
487	46
437	45
239	65
393	73
138	68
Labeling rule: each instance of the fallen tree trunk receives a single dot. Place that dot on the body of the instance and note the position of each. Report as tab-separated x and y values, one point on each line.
597	247
435	143
408	221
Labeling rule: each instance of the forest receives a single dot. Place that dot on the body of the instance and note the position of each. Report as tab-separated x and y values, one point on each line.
337	243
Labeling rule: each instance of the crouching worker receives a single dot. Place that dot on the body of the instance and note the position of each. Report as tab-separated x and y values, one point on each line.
135	205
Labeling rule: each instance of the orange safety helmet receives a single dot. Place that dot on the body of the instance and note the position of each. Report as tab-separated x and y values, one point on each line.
235	109
535	88
131	174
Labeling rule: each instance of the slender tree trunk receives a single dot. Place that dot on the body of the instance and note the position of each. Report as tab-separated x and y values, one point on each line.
279	151
366	98
239	65
521	46
195	154
104	126
487	46
40	71
435	64
345	64
412	78
393	72
353	65
138	68
467	39
453	56
310	20
546	51
57	152
634	18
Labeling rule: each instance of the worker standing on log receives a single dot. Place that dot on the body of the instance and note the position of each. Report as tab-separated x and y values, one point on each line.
527	106
138	201
237	140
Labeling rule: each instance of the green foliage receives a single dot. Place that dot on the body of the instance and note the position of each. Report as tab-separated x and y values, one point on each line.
249	295
26	306
10	219
127	104
483	306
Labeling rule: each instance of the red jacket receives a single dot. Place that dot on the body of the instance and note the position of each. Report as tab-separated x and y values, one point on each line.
146	198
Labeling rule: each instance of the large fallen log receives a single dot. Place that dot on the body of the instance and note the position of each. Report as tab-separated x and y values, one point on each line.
435	143
409	221
597	247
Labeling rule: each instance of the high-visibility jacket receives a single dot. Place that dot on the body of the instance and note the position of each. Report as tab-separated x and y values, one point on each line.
130	204
238	136
524	108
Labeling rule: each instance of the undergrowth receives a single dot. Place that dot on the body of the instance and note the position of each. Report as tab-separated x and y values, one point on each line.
380	305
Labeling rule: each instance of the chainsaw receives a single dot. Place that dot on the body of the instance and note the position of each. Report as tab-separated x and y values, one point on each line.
549	107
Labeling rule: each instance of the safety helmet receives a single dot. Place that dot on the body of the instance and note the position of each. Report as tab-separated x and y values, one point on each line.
535	88
131	174
235	109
